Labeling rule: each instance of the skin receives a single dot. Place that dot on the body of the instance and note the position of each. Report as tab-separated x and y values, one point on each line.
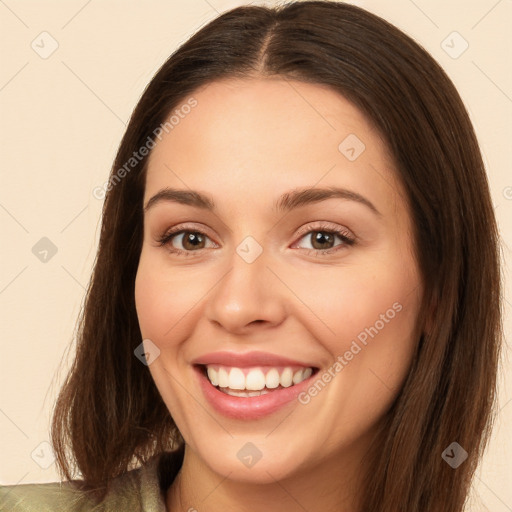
244	144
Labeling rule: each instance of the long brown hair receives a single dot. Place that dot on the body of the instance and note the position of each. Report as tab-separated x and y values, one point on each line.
109	415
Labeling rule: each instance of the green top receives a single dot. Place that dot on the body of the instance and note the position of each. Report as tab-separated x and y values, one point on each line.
138	490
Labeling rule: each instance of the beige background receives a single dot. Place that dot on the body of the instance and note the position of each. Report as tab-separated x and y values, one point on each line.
62	118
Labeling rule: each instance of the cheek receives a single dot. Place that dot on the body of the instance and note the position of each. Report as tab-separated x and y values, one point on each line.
371	315
165	311
165	301
349	303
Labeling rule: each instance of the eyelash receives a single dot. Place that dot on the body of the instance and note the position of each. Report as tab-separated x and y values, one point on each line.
344	235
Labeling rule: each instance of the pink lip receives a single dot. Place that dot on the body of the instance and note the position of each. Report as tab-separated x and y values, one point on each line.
249	408
246	359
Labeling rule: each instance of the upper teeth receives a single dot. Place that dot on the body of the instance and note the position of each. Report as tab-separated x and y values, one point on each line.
255	378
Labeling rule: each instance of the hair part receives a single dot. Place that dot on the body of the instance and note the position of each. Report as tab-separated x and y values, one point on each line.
110	415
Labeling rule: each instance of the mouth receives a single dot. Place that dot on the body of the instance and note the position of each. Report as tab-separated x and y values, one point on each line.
252	392
256	381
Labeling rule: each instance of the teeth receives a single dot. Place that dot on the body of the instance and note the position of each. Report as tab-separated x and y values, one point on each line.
236	379
255	381
298	377
245	394
286	378
213	376
272	379
223	378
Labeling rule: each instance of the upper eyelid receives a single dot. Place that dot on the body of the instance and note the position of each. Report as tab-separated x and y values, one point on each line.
323	224
179	228
326	226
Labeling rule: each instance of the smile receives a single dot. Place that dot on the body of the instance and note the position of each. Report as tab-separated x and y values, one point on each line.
252	385
249	382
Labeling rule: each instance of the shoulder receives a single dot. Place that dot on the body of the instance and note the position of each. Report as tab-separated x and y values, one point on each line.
43	498
137	490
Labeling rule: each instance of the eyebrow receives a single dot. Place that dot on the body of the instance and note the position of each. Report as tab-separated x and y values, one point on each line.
295	198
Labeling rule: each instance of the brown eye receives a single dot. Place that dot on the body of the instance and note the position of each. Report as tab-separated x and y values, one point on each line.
321	240
192	240
184	241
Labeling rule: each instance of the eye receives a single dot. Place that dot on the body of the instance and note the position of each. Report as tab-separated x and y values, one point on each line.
322	238
192	240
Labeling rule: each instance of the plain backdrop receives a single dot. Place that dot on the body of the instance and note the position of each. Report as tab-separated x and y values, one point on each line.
71	73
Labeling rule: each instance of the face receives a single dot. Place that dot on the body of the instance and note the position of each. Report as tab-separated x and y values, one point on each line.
267	282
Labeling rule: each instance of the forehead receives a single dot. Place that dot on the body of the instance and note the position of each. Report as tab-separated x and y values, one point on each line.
251	139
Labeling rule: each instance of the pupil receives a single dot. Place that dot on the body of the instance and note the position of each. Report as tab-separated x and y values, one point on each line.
189	239
322	238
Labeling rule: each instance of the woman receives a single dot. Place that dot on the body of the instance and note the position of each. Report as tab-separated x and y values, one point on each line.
296	298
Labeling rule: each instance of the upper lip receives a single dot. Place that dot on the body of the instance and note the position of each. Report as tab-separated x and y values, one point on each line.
247	359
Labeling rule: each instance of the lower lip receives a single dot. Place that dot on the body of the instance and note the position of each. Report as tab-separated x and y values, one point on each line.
249	408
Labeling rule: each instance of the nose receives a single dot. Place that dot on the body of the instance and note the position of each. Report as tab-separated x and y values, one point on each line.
249	296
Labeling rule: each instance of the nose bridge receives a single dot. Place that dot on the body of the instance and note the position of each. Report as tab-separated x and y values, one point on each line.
248	292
